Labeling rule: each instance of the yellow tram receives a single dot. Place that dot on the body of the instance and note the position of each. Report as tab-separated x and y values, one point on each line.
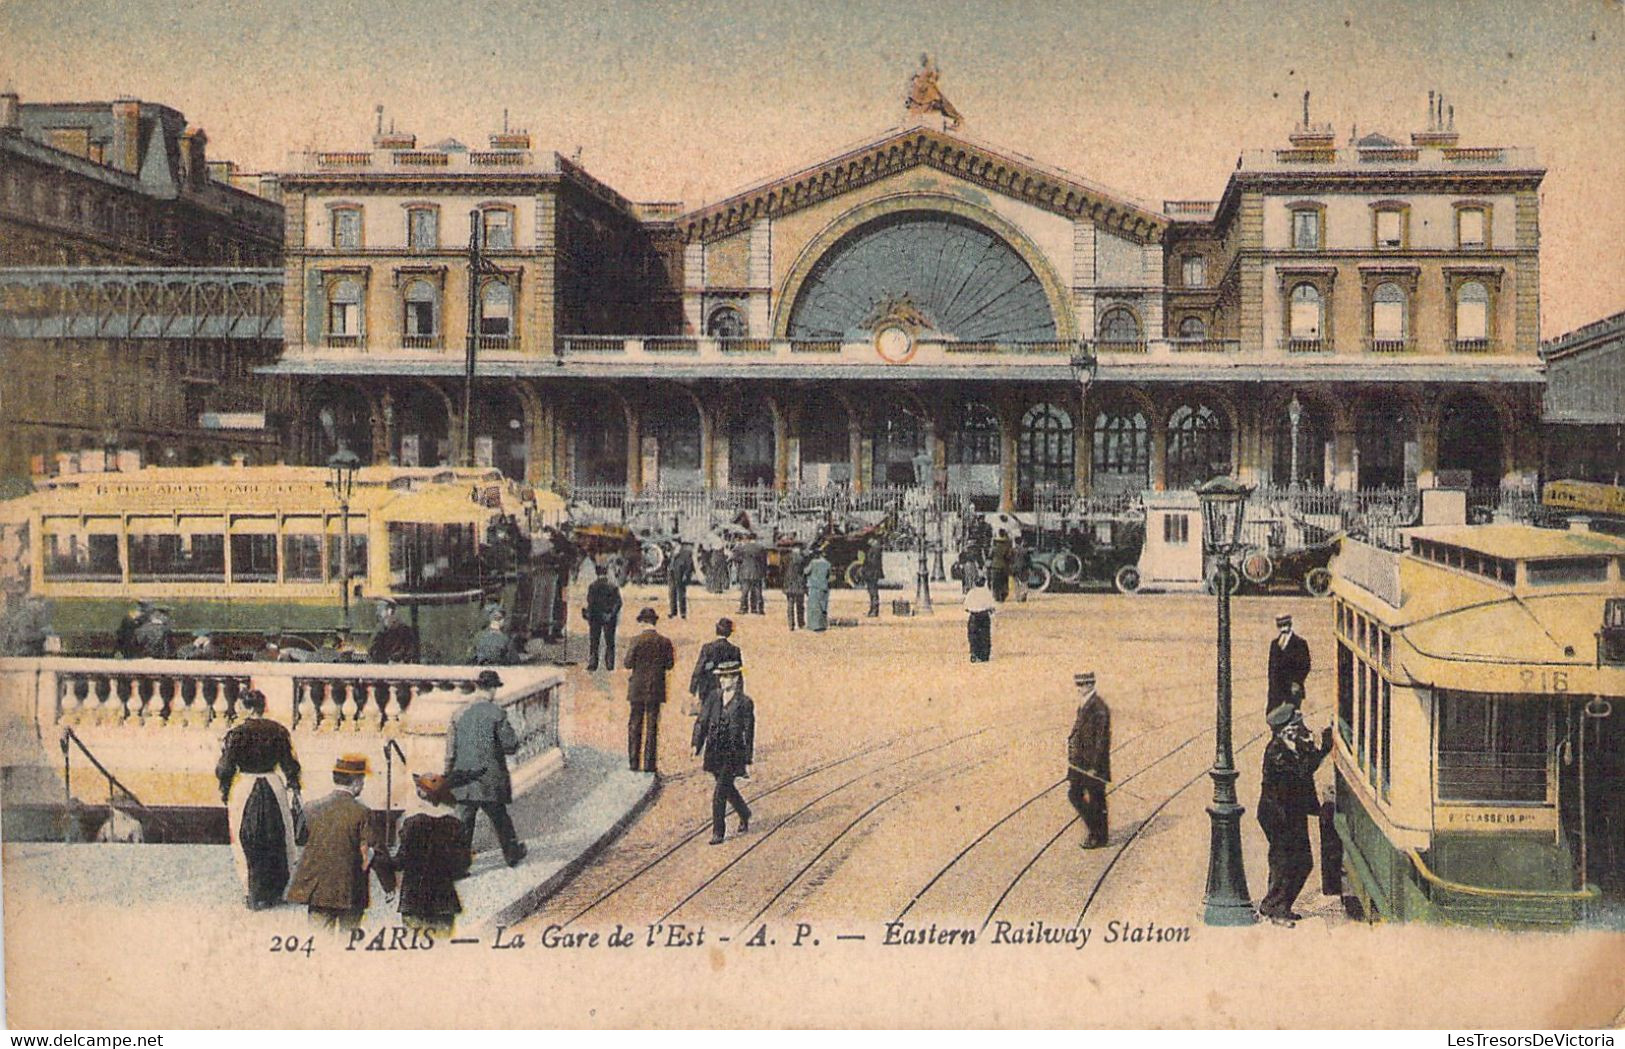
1480	754
256	553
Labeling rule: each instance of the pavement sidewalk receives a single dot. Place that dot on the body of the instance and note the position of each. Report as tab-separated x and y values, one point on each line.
564	820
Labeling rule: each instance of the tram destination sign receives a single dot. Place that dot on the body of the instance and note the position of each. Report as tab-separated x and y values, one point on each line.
1533	818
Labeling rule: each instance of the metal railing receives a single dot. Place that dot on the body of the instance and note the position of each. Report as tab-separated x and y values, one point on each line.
69	736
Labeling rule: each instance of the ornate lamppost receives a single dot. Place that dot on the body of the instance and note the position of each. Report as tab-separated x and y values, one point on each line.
918	502
1294	414
1227	902
342	467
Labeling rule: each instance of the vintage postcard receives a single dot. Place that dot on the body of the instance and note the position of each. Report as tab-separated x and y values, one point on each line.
532	514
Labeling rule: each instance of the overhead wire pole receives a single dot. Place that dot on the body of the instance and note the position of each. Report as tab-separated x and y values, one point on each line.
478	266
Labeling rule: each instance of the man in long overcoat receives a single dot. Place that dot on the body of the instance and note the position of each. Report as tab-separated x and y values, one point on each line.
719	650
817	574
1289	665
603	612
679	576
998	569
648	657
478	742
332	879
795	587
726	734
751	558
1089	760
396	641
1285	802
873	571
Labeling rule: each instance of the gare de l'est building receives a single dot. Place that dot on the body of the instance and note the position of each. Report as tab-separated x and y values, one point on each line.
1356	313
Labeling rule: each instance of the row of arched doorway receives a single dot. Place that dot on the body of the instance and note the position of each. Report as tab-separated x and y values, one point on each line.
817	439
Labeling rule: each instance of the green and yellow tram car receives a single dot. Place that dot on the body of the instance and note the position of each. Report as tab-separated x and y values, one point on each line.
1480	753
256	554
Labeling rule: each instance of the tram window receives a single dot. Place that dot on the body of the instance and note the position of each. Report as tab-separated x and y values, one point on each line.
1383	738
1362	738
358	557
302	558
1345	693
253	558
1359	632
83	557
1176	529
1387	650
1491	748
1568	570
168	557
1374	693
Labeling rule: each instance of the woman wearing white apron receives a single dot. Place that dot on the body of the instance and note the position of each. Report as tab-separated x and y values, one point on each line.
259	782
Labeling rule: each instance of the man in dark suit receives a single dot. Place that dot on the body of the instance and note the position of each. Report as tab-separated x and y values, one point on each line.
726	734
795	586
648	657
679	574
603	612
395	642
1089	760
872	570
124	641
752	572
332	878
478	742
1289	665
1285	802
702	682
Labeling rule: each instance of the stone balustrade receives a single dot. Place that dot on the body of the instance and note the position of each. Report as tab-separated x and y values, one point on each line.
157	724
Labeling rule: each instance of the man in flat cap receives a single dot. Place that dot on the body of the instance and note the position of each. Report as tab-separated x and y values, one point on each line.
1089	760
1285	802
648	657
478	742
1289	665
332	879
725	734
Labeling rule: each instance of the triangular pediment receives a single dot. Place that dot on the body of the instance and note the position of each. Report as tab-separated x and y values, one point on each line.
996	170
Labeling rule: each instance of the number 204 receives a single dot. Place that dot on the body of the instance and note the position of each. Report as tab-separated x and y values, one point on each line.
293	945
1549	681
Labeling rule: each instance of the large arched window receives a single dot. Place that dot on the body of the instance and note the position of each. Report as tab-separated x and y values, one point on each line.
1119	326
1044	451
1306	314
898	439
1389	324
674	425
422	429
1472	315
1122	449
751	447
1198	445
496	312
1383	432
421	324
339	417
973	450
1470	441
825	442
726	322
344	313
499	431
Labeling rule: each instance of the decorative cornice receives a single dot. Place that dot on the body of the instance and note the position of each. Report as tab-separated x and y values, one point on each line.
916	147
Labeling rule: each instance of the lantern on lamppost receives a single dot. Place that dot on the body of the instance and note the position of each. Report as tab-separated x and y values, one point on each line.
1227	902
342	468
1294	414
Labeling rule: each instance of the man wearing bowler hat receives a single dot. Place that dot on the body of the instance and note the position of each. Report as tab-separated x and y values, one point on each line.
1089	760
648	657
1289	665
478	742
332	879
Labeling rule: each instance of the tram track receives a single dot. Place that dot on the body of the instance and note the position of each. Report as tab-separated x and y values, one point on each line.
976	842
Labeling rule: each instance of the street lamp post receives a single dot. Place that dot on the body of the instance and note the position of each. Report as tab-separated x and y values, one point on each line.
342	467
1294	413
1227	901
921	506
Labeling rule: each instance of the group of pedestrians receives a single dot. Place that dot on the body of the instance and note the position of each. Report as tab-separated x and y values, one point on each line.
326	856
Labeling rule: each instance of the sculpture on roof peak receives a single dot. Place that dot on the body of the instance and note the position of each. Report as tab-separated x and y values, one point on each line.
924	96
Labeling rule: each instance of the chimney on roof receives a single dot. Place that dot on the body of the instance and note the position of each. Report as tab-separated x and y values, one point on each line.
11	110
1439	132
126	151
1312	136
390	139
510	138
194	158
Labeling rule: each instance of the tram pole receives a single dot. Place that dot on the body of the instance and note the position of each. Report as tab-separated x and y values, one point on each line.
473	337
1227	901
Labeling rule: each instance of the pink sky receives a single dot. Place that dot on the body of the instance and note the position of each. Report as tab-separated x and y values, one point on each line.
687	100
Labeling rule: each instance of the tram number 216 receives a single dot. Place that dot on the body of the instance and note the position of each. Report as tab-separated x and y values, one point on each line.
1547	680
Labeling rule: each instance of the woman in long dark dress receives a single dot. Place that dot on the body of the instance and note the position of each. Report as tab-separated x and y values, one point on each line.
259	783
431	857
